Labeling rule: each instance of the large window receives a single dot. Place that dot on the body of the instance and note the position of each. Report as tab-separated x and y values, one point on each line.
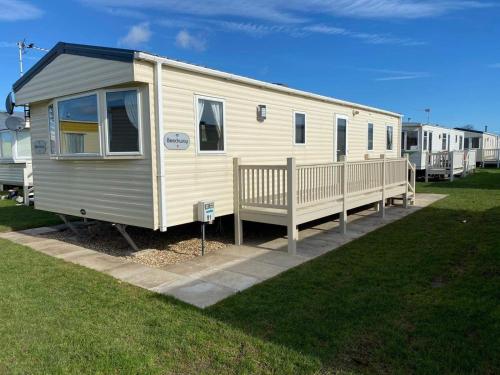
475	142
370	137
123	121
6	143
389	137
466	143
300	128
210	125
23	144
79	125
411	140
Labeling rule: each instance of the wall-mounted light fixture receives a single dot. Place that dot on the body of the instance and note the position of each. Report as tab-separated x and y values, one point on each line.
261	112
355	112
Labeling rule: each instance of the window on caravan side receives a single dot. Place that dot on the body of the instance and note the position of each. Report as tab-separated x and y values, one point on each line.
79	125
52	129
475	142
370	137
6	140
412	140
122	111
389	138
300	128
466	143
460	142
443	143
23	148
426	137
210	125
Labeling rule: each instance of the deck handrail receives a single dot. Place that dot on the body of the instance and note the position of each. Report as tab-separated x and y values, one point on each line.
283	189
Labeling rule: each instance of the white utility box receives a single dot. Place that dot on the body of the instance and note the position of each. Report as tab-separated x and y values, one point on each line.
206	211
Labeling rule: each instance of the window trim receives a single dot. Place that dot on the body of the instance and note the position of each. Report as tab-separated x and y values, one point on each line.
197	125
387	126
368	149
295	113
107	151
58	129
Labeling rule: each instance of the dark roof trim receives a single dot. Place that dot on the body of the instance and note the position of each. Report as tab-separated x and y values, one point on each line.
107	53
470	130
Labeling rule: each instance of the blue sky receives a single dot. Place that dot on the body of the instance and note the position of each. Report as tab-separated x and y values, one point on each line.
401	55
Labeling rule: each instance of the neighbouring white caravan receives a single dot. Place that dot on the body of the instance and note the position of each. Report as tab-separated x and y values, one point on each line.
486	144
15	155
418	140
133	138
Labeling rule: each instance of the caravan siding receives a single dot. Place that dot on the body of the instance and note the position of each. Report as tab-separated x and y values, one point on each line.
112	190
69	74
14	173
191	176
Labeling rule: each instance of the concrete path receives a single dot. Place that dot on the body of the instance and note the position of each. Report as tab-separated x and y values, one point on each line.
204	281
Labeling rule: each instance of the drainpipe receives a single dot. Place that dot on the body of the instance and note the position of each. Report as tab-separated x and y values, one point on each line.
160	150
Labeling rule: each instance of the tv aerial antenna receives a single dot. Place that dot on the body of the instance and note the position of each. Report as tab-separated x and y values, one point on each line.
23	47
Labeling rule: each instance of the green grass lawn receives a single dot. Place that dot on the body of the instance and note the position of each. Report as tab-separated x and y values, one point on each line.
18	217
421	295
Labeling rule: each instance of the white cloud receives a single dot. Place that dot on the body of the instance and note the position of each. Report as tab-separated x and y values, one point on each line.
18	10
292	11
187	41
136	36
396	75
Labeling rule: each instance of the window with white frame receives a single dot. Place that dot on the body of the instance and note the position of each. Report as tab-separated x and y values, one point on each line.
475	142
300	128
210	125
122	111
426	140
370	137
411	140
79	125
466	143
389	137
77	128
444	141
460	142
23	144
6	144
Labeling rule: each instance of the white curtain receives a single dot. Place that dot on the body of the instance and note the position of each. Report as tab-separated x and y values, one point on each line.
130	100
203	131
217	111
74	143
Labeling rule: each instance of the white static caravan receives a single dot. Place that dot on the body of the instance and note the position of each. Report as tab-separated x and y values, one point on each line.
15	155
137	139
486	145
419	140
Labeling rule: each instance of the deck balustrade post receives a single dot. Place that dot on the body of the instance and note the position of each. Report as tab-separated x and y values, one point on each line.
293	235
407	181
498	157
343	214
382	201
427	164
238	224
451	165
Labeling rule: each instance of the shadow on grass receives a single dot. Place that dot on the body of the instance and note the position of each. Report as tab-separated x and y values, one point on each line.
397	299
19	217
483	179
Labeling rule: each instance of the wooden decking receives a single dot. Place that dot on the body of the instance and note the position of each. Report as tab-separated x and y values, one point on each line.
489	157
448	164
290	195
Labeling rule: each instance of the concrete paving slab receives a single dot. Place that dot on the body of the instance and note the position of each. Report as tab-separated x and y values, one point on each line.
259	270
73	253
281	259
99	262
151	279
229	279
127	270
186	269
201	293
243	251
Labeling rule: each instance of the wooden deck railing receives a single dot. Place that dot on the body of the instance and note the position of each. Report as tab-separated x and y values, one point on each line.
288	188
489	155
446	163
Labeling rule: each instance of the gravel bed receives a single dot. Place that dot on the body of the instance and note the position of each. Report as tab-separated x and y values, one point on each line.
156	249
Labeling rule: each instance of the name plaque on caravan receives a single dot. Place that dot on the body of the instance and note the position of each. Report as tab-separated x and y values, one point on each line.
176	141
40	147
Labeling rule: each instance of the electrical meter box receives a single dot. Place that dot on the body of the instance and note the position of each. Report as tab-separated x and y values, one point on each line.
206	211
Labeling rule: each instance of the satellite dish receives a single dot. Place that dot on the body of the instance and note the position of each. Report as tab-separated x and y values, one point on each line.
15	123
9	104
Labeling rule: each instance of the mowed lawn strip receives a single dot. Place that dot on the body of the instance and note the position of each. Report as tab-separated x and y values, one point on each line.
19	217
421	295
